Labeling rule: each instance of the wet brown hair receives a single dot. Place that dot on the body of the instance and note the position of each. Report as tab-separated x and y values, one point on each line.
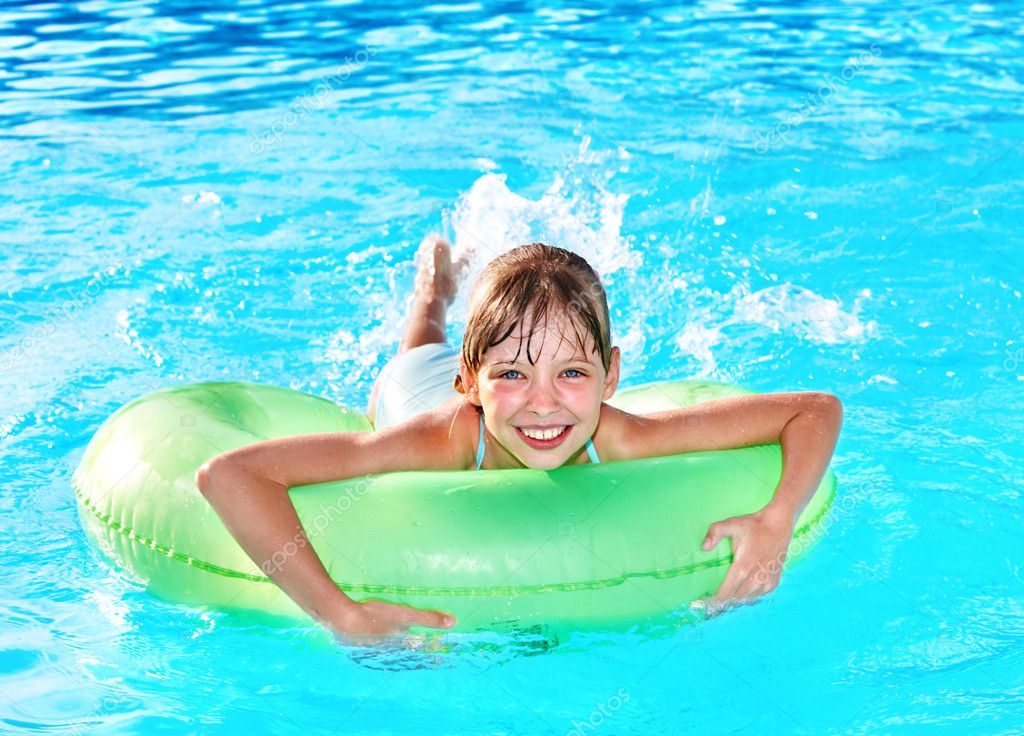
528	282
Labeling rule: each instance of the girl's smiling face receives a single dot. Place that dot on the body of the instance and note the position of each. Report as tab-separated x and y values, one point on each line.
542	413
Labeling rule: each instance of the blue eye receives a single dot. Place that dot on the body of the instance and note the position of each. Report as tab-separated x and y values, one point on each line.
512	375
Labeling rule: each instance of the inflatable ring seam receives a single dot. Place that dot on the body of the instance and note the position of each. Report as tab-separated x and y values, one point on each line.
123	529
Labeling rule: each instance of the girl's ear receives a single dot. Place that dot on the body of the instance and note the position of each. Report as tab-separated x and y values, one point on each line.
611	380
465	383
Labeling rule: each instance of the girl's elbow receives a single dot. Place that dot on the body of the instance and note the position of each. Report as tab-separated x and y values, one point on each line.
210	475
830	401
204	478
826	404
829	405
224	476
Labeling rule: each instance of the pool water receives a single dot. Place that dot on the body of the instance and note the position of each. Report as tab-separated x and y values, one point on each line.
788	196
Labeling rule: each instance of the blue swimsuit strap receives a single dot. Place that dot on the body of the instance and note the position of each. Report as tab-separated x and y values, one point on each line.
591	451
480	444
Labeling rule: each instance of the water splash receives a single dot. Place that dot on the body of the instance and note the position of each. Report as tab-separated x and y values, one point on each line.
579	211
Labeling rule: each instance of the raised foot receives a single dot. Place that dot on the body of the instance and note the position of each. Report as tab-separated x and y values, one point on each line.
437	274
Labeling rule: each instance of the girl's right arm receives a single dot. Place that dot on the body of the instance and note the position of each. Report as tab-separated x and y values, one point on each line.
248	488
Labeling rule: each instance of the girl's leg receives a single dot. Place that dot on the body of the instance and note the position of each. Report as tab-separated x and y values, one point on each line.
437	281
436	284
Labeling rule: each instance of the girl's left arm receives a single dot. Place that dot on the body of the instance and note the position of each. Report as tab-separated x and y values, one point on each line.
806	425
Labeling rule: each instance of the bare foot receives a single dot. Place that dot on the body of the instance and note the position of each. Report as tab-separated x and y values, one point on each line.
437	275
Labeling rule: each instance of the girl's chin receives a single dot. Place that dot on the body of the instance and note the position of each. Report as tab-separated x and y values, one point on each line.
549	465
543	459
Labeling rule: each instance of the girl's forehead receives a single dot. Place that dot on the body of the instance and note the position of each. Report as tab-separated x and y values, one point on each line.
559	340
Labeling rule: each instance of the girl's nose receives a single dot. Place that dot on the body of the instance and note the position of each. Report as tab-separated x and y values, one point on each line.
542	399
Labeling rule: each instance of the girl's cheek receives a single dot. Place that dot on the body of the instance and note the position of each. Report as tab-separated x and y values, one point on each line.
582	390
498	388
510	388
504	392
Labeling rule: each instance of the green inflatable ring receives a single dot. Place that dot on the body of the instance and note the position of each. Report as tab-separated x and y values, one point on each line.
581	547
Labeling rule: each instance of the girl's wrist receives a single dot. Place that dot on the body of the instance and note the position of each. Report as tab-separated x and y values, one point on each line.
335	609
346	619
779	512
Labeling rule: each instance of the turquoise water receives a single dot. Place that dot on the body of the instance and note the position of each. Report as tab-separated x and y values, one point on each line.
789	196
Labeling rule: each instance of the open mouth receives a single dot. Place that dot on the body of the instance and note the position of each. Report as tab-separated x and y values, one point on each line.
544	439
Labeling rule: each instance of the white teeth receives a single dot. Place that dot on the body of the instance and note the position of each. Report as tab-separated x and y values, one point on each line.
542	434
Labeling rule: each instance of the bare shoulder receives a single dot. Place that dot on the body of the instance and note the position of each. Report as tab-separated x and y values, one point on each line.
616	432
441	439
456	426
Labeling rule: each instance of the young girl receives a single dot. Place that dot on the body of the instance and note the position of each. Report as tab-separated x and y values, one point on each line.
527	390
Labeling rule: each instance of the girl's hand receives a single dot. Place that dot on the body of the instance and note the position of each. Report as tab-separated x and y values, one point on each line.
369	621
759	545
